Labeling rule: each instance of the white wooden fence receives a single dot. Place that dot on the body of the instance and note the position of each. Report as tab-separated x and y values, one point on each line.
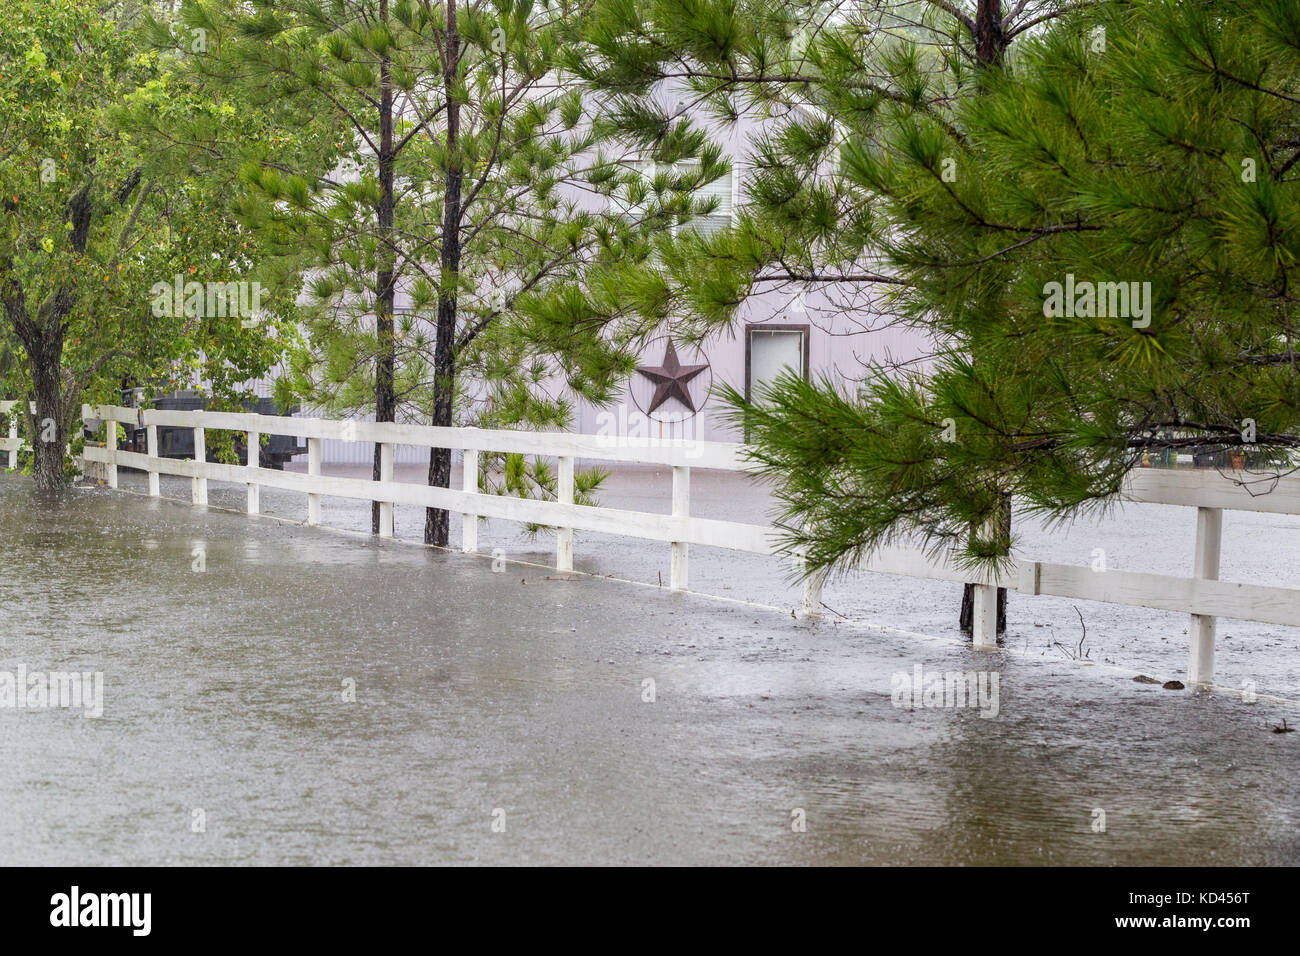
1202	596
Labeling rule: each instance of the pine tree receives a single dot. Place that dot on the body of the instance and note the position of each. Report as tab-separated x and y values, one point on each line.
821	76
1108	265
464	175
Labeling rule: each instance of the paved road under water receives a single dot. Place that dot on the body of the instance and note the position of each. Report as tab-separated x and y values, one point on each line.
524	693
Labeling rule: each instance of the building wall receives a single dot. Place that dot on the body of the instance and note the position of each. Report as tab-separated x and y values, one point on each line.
844	330
837	348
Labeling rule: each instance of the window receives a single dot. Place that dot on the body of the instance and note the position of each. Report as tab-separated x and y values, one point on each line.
722	188
624	202
771	350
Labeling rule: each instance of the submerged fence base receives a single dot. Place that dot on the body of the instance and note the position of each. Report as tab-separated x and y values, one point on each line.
1203	596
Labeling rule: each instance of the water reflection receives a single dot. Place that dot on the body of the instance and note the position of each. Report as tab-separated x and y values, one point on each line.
326	699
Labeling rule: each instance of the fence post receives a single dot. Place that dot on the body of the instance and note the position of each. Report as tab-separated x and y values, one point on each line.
313	468
77	463
564	536
812	598
984	607
1209	535
199	486
469	483
110	449
812	592
254	462
677	573
984	616
13	435
151	448
386	474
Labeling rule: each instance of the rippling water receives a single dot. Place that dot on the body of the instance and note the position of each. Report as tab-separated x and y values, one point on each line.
518	699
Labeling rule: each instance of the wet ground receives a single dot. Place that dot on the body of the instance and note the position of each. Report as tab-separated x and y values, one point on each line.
1257	548
505	717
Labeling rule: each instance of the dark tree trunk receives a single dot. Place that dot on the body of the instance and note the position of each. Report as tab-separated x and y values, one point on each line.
990	33
436	530
385	289
42	339
968	610
436	520
47	428
966	620
990	42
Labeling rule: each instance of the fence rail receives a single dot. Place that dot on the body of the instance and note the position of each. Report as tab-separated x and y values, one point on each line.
1202	595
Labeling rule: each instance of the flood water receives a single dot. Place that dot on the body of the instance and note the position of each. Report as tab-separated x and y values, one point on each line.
503	717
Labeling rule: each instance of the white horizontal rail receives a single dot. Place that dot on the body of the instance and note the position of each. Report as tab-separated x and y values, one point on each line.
1203	596
635	524
696	454
1245	602
1211	489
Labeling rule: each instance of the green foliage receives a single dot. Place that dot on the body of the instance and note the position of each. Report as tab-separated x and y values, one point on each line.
431	180
91	221
1166	158
818	76
516	475
529	161
947	183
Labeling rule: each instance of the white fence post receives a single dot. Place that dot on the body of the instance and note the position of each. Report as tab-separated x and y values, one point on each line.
1209	536
812	592
13	435
313	468
199	486
110	446
564	536
386	474
984	610
78	463
812	598
254	462
677	572
469	483
151	449
984	616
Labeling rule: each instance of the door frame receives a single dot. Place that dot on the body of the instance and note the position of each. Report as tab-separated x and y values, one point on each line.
751	327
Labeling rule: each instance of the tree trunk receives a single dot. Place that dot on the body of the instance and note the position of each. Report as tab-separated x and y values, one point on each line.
42	338
990	42
990	34
436	529
436	522
385	289
47	429
966	620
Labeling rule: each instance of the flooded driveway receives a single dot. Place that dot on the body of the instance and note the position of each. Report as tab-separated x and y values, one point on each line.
274	694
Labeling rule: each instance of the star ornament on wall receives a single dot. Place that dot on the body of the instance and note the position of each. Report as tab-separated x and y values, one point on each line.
671	378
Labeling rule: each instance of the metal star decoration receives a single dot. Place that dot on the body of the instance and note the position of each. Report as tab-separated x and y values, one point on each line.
670	379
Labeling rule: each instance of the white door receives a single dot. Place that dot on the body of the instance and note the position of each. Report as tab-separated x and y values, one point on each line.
772	352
